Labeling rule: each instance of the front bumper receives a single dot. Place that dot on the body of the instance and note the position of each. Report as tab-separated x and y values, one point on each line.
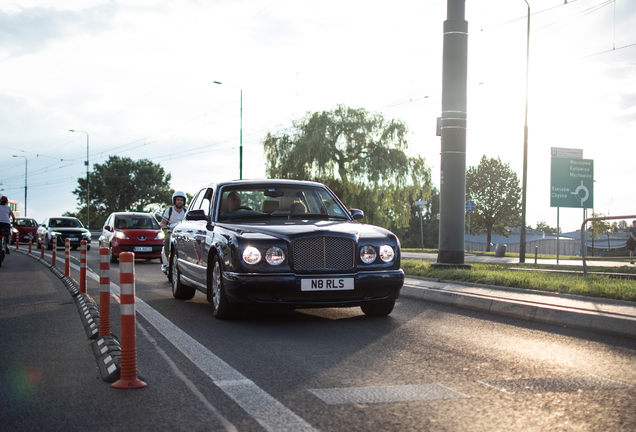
285	289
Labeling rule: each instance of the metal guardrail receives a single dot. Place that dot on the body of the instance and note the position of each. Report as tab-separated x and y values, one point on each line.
584	243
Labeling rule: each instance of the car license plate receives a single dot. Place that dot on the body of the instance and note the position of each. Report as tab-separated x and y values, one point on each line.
326	284
142	249
73	239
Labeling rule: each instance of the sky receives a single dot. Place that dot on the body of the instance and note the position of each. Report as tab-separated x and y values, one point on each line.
137	76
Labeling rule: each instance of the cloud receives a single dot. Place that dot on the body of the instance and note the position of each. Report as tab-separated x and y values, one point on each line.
31	30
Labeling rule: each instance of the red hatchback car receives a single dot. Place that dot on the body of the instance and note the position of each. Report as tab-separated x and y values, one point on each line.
132	232
22	228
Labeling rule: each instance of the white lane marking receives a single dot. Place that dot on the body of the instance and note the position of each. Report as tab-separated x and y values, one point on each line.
265	409
383	394
229	427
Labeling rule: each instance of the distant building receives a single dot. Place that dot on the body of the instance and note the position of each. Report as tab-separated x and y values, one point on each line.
568	243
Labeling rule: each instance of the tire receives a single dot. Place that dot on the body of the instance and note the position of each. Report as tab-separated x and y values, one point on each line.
179	290
112	257
378	308
221	308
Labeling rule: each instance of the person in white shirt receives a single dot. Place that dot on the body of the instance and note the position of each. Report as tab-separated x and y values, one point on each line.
171	217
6	215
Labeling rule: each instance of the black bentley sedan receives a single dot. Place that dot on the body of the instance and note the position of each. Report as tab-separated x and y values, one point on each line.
282	243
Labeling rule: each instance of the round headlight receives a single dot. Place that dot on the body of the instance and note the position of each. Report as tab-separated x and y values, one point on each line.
367	254
387	253
275	255
251	255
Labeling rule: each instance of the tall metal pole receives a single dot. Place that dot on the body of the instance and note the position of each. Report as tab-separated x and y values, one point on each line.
25	183
453	131
88	219
240	132
522	234
241	140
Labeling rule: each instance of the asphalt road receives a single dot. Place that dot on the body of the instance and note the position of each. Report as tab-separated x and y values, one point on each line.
425	367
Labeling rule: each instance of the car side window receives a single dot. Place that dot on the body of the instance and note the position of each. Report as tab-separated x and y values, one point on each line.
207	201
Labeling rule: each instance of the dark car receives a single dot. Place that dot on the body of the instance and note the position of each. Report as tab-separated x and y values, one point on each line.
285	243
23	230
132	232
63	228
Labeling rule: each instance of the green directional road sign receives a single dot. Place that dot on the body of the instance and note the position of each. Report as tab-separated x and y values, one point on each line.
572	183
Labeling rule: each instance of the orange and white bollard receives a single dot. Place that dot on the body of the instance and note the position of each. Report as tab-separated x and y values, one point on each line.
128	369
17	241
54	250
104	291
536	251
41	250
82	282
30	242
67	257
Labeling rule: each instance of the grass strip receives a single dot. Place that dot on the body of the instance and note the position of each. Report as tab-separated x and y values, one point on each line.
501	275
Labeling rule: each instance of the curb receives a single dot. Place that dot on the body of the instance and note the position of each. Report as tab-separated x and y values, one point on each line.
569	317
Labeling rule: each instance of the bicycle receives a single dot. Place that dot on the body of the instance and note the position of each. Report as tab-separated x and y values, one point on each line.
3	234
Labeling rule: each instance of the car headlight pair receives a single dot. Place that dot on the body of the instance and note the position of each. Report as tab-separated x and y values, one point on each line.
368	254
274	255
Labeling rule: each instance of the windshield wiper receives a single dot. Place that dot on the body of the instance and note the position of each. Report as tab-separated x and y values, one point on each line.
316	216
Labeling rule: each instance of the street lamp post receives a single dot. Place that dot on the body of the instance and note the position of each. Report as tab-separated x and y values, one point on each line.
88	219
25	183
240	132
522	234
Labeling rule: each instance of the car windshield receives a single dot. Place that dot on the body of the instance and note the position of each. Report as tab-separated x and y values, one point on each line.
27	223
65	223
286	201
144	222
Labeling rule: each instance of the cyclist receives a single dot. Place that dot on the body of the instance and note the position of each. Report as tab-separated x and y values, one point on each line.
6	216
171	217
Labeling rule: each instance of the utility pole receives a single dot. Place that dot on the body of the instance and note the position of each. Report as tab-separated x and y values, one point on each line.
453	132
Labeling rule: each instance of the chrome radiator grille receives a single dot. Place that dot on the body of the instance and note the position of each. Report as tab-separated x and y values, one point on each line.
324	253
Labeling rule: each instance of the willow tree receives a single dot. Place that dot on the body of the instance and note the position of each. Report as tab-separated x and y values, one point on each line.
494	188
361	156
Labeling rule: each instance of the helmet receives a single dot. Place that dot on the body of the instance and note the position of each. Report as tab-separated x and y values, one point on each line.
4	200
179	194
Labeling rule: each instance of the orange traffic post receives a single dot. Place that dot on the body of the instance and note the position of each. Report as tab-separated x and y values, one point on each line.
82	282
41	250
30	242
17	241
67	257
104	292
128	370
536	250
54	247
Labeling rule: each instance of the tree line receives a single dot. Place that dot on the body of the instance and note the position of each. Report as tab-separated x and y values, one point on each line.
362	156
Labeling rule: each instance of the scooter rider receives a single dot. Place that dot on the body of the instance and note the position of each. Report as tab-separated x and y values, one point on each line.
171	217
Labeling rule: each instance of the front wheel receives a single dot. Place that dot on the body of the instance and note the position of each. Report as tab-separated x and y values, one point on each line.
378	308
222	308
179	290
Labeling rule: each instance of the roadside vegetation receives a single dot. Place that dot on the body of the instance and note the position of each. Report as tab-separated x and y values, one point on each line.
594	285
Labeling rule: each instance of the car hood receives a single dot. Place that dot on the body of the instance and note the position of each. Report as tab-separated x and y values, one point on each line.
290	229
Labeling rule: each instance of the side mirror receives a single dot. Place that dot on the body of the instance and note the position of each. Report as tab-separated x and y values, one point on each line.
356	214
107	228
194	215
